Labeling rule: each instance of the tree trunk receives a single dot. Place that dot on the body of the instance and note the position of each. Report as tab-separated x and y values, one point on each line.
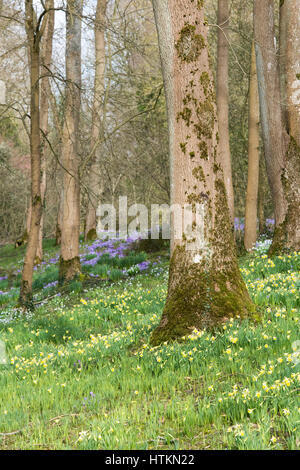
288	235
28	220
253	159
97	122
282	59
261	199
59	219
223	99
205	284
281	149
33	37
291	10
69	258
269	96
46	58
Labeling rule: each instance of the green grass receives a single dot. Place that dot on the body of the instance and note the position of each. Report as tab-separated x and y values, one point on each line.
45	276
81	373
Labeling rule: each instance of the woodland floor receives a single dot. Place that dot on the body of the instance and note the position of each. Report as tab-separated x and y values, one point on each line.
81	374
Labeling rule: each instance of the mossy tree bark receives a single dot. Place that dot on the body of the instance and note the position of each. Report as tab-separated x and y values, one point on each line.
34	34
95	185
70	230
253	159
223	99
282	151
205	284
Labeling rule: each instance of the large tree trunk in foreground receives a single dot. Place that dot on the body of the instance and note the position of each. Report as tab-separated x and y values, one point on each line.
25	298
282	152
205	284
223	100
46	57
69	258
95	185
253	159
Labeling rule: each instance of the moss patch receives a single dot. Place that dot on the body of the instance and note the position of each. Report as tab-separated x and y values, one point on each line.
189	44
22	240
68	270
91	235
200	298
186	115
203	294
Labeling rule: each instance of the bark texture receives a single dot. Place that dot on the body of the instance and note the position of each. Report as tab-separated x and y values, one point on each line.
95	185
223	99
270	109
34	38
59	219
282	152
70	230
46	58
205	284
261	199
253	159
291	11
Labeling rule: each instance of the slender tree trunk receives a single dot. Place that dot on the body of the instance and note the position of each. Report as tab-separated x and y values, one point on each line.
33	37
269	95
205	284
28	220
223	99
59	220
253	159
261	199
97	122
58	137
69	258
39	250
46	58
281	148
282	59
